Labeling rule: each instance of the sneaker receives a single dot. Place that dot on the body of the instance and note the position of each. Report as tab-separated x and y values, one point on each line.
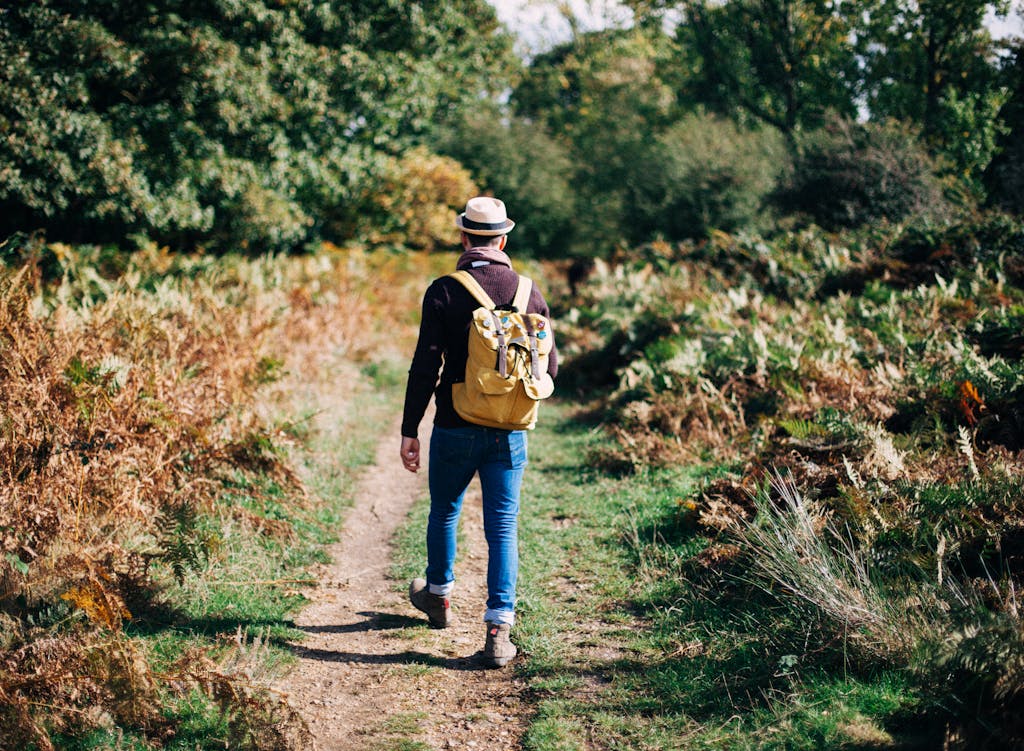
499	649
436	607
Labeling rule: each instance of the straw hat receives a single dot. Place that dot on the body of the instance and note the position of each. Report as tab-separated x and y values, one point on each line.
484	216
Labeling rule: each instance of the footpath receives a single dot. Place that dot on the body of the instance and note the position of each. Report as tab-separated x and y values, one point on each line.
371	674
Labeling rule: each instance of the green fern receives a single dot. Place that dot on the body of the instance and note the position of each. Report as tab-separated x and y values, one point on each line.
184	546
984	661
802	429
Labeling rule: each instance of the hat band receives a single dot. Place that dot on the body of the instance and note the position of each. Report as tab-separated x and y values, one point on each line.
468	223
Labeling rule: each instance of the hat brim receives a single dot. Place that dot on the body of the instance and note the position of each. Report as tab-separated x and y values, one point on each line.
480	228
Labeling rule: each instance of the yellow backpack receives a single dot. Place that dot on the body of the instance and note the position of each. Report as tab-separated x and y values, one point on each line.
507	366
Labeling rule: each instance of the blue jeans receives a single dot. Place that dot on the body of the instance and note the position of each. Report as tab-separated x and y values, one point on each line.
456	454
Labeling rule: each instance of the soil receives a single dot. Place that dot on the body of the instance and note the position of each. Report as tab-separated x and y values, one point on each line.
371	674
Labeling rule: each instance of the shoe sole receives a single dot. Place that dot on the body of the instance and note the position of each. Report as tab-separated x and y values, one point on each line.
497	662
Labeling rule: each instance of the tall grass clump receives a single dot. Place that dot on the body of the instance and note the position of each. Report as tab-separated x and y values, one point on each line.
962	643
793	545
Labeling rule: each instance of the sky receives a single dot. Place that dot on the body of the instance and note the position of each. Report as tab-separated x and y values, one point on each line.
539	24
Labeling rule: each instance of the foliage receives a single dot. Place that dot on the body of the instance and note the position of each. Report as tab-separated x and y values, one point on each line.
933	64
921	57
784	64
255	126
603	95
1004	176
641	633
972	127
519	161
877	378
704	173
136	451
416	201
851	174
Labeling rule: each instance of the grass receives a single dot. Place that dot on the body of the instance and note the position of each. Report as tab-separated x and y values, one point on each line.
632	644
409	543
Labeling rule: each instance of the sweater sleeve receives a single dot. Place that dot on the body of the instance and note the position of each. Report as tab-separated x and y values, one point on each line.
426	363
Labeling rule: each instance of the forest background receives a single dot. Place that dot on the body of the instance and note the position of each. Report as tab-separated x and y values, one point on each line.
791	238
272	128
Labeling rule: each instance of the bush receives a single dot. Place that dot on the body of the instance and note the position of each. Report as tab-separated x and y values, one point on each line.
704	173
849	174
415	202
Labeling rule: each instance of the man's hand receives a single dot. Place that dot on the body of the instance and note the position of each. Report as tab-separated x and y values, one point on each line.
411	454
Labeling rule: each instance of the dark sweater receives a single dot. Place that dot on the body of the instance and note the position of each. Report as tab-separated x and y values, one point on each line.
443	340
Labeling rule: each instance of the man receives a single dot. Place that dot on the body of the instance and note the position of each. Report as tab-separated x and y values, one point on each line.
459	449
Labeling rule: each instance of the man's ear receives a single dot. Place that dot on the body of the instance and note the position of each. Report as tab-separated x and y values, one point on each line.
465	240
504	241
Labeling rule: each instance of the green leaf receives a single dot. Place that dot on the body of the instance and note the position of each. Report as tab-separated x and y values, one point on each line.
17	564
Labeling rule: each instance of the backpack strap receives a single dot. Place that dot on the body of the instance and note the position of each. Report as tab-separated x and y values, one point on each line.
521	302
473	286
523	292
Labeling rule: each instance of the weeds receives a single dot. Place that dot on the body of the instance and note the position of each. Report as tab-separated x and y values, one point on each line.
134	408
879	375
796	547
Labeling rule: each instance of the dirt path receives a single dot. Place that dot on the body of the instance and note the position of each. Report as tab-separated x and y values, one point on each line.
371	674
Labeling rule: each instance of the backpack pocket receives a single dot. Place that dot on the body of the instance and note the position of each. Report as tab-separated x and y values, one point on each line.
539	388
491	382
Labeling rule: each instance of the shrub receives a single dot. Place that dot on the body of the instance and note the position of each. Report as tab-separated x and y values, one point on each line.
704	173
849	174
416	201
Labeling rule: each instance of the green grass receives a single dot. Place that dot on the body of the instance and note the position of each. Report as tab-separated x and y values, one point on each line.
393	733
632	644
409	543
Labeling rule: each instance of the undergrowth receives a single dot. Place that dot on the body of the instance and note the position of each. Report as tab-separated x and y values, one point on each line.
159	511
867	394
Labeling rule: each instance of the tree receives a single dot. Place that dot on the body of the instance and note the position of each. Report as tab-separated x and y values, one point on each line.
932	63
1004	176
785	63
603	95
225	124
916	51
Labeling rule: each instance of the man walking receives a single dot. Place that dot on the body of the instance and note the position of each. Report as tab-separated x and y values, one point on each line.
460	449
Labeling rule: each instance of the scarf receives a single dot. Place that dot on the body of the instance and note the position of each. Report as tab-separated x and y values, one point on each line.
484	255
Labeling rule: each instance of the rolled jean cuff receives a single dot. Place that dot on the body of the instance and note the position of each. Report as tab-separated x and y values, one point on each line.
442	590
500	616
